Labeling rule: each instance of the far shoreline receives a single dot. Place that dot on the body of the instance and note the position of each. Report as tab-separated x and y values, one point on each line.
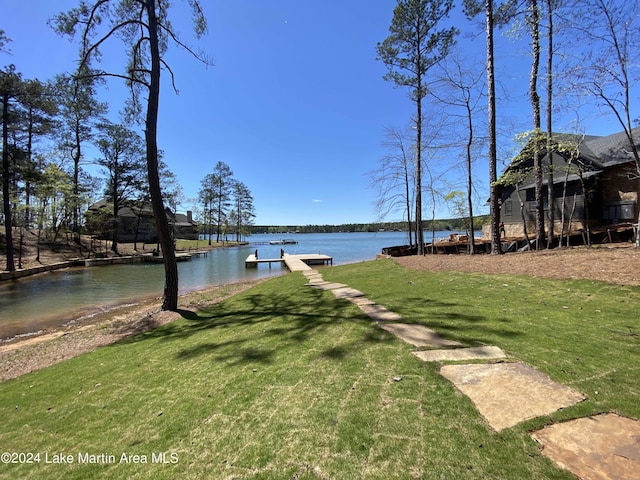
125	252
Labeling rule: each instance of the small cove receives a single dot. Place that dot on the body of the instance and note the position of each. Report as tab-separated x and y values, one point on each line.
53	299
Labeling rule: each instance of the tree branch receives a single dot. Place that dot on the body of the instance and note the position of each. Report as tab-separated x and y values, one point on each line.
87	53
173	78
181	44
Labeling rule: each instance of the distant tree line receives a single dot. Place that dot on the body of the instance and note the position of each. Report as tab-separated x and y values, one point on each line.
453	224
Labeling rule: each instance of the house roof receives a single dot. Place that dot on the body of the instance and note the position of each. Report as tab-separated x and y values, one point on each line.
178	219
597	153
182	220
143	209
561	179
610	150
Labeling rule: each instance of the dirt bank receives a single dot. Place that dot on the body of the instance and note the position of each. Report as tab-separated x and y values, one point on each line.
616	263
25	354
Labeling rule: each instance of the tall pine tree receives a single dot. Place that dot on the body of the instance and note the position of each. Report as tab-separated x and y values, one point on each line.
413	47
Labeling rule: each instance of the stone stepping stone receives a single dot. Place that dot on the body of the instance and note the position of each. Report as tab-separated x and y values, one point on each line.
347	293
506	394
601	447
379	313
312	275
328	285
315	278
361	301
471	353
418	335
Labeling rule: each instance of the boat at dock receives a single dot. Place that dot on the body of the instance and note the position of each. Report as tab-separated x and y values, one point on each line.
286	241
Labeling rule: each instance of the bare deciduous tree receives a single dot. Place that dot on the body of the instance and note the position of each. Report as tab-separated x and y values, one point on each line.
607	68
461	90
395	178
413	47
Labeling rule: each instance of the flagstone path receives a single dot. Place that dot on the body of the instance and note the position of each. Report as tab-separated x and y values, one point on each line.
604	447
509	393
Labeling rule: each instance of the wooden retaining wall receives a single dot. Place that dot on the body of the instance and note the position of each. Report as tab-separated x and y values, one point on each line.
26	272
87	262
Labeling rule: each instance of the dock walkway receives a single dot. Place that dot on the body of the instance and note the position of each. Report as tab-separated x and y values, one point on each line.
295	263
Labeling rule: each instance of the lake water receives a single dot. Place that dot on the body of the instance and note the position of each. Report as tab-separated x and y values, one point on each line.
52	299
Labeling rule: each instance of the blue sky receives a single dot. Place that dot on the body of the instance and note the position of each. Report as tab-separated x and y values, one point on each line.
295	103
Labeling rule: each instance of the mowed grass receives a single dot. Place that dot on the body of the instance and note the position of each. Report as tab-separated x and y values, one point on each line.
285	381
183	244
583	333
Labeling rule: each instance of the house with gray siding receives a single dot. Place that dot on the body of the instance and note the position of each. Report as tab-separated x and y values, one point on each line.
595	183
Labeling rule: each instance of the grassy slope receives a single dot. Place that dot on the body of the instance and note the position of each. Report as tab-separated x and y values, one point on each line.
285	381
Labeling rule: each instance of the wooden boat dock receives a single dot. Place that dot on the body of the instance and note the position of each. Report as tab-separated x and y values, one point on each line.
295	263
457	243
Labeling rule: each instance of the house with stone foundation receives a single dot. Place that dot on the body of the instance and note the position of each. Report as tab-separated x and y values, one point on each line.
594	180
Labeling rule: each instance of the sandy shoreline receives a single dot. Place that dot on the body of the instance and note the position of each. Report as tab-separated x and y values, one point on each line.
27	353
61	253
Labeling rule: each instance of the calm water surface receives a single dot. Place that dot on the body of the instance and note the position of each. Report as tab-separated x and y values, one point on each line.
52	299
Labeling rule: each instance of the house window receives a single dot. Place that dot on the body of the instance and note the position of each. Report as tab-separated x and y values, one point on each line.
507	208
531	199
531	195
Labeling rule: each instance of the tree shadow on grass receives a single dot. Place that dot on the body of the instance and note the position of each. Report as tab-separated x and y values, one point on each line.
252	327
453	324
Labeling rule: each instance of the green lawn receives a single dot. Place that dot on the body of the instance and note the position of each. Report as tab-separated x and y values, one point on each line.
285	381
182	244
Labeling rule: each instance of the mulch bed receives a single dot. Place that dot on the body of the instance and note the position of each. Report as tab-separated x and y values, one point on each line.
615	263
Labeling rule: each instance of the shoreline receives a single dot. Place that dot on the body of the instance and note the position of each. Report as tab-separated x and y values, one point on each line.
80	318
63	257
126	255
25	353
616	264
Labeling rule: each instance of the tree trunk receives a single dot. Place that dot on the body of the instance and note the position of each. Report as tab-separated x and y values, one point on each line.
524	218
408	198
496	243
587	208
210	222
27	186
219	220
535	105
6	191
116	220
419	230
170	299
573	210
419	96
135	238
551	191
471	238
564	206
77	155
